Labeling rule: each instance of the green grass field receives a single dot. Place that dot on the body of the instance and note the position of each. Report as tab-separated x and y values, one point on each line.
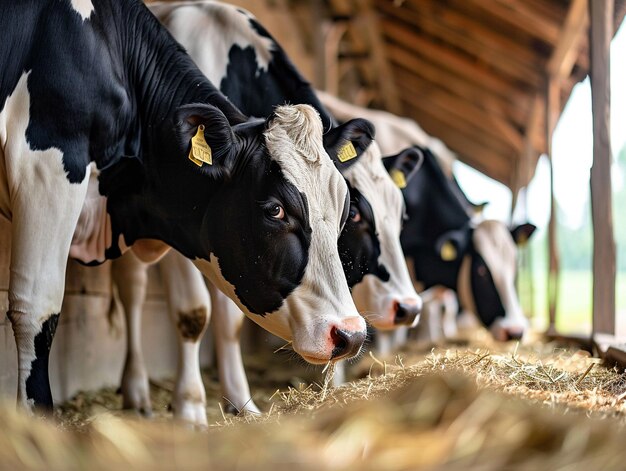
574	302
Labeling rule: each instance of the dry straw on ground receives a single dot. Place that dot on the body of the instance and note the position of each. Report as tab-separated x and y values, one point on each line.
450	410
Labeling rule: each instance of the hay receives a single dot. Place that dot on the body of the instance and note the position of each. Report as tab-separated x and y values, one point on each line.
526	408
432	421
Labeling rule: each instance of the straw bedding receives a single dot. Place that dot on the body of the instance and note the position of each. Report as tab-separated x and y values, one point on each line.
527	408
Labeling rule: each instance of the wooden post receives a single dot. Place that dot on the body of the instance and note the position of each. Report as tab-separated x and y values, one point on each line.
601	32
552	113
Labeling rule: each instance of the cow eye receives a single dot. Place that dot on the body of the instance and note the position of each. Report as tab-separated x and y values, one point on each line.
354	214
276	211
482	270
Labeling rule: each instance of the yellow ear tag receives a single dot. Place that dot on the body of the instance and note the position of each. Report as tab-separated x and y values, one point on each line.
448	252
398	178
347	152
200	151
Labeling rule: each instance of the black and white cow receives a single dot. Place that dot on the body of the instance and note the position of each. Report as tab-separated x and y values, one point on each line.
234	50
102	81
445	242
477	259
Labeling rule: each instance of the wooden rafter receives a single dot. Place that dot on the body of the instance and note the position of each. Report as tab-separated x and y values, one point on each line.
464	111
451	61
501	60
408	67
518	15
566	51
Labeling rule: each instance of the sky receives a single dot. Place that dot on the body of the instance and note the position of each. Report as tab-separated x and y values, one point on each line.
572	156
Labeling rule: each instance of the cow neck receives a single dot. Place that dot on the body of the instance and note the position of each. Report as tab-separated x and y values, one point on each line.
161	78
161	74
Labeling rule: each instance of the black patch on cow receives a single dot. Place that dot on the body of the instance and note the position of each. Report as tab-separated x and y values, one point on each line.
359	247
257	92
38	382
271	255
486	297
191	324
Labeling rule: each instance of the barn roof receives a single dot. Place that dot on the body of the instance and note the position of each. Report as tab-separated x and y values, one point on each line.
473	72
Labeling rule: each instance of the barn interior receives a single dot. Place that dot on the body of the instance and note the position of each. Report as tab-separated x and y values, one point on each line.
490	79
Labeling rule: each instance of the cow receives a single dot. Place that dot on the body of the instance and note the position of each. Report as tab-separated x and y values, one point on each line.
444	240
475	258
256	203
235	51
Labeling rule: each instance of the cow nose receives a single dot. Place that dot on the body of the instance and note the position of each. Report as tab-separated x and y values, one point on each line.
406	313
514	334
347	344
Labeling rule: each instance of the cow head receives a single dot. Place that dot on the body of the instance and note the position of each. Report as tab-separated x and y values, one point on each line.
487	275
370	243
271	230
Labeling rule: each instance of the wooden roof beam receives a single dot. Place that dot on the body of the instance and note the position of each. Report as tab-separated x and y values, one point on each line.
521	16
491	53
450	60
567	49
490	163
487	155
474	27
465	111
409	64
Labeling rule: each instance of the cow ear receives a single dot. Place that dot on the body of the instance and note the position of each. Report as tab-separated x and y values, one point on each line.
522	233
452	245
348	141
206	139
404	165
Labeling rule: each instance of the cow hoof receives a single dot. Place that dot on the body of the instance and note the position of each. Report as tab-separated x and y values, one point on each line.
137	399
250	407
191	413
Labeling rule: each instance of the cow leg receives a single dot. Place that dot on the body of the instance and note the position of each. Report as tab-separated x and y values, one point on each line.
384	341
227	321
44	215
450	310
339	377
400	337
130	275
190	309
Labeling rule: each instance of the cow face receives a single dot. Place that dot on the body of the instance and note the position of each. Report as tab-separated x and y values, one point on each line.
273	226
487	278
370	246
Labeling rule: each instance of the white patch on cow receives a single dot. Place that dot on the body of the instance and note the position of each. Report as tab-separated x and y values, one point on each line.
196	24
43	206
374	298
83	7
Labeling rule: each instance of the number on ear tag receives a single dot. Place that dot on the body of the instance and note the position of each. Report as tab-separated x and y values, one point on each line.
347	152
200	151
398	178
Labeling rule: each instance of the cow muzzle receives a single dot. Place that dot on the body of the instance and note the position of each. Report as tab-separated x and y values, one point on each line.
407	312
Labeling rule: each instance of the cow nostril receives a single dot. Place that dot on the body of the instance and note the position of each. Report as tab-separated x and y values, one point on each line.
340	341
346	344
406	313
514	335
